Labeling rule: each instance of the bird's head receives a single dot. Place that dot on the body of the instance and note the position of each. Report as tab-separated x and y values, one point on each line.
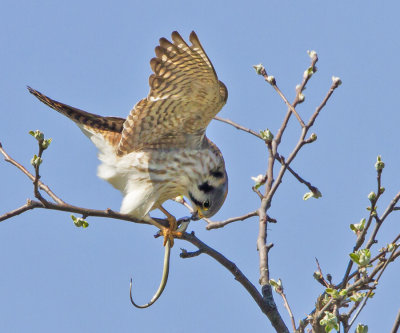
208	195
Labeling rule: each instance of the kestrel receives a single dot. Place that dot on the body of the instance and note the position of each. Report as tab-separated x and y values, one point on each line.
160	151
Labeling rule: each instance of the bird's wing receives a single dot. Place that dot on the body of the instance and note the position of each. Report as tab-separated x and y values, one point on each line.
185	95
109	128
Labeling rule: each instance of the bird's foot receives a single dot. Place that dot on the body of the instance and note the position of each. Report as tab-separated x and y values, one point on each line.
171	232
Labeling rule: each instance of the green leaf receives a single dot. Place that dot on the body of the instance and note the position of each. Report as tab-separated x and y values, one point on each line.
358	227
312	54
313	194
362	328
37	135
355	257
333	292
259	68
361	257
46	143
379	165
267	135
330	322
336	80
277	285
357	297
317	275
372	196
79	222
36	160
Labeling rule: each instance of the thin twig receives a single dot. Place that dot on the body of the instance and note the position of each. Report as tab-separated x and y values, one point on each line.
296	101
220	224
257	191
263	72
312	188
361	237
15	212
322	279
185	254
364	301
42	186
280	158
396	324
239	127
289	310
334	85
391	207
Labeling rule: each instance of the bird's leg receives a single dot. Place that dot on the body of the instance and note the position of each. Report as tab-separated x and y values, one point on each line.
170	232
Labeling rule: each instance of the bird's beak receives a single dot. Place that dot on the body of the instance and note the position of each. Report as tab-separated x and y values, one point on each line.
197	215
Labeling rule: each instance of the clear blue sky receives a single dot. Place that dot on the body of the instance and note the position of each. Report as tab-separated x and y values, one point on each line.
95	55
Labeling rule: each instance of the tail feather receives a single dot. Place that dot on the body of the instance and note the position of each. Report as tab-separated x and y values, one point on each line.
109	128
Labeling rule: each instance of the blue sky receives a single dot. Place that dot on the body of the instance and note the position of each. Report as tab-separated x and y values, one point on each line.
95	55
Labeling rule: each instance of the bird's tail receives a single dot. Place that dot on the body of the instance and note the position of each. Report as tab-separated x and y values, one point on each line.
109	128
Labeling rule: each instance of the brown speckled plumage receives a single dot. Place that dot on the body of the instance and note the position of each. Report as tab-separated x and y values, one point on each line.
160	150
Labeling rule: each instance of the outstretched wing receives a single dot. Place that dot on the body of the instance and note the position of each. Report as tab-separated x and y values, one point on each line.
185	95
109	128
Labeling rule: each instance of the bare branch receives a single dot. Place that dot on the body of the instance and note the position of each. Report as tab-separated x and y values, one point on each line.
312	188
42	186
280	158
296	101
322	279
257	191
391	207
220	224
239	127
334	85
289	310
299	145
20	210
185	254
396	324
269	309
108	213
262	232
272	81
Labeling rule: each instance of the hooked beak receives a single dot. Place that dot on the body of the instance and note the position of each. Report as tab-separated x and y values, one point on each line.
197	215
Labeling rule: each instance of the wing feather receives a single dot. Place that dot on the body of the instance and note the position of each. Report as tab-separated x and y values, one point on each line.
185	94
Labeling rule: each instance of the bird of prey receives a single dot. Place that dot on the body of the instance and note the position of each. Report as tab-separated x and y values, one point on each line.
160	151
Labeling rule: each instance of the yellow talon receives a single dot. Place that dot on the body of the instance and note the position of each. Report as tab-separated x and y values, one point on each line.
171	232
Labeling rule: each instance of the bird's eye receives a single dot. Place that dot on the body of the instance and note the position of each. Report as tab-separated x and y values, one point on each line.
206	205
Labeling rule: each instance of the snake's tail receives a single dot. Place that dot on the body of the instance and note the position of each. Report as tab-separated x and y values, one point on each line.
163	282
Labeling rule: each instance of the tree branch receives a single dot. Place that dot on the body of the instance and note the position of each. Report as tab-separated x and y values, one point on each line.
28	206
108	213
312	188
220	224
42	186
239	127
280	158
396	324
268	309
297	100
272	81
289	310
